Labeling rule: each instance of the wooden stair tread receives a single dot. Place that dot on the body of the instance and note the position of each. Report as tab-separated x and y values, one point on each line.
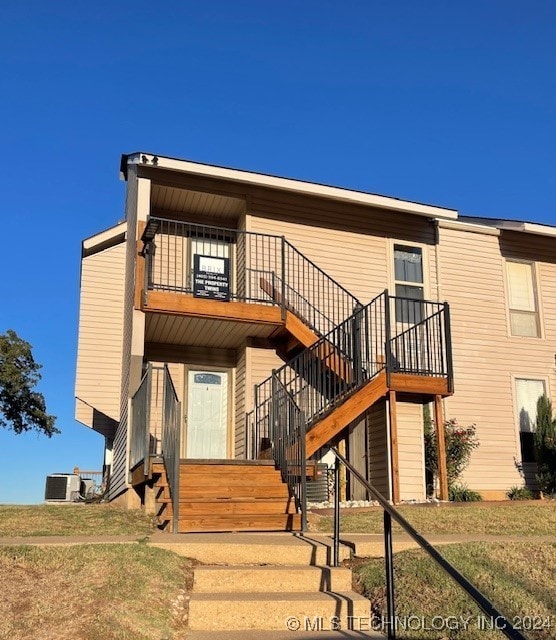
232	499
232	508
284	522
231	470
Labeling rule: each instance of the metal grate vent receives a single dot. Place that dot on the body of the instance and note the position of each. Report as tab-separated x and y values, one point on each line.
56	488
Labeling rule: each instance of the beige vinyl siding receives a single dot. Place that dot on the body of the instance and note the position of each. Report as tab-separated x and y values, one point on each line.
99	351
240	404
486	357
262	362
379	468
411	456
351	244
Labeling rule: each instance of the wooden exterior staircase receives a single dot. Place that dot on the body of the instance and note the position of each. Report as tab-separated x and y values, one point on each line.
227	495
341	358
390	345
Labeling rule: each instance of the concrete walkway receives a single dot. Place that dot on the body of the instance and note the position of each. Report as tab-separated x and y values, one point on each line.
361	544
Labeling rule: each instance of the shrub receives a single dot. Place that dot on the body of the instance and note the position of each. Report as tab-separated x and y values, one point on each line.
520	493
460	443
462	493
545	446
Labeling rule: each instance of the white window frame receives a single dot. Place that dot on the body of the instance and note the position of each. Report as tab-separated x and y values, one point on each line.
392	266
514	378
536	291
392	263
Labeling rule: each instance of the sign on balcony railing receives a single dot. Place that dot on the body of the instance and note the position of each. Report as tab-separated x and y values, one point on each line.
211	277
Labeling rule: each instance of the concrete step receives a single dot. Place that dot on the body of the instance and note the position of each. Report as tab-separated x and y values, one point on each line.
272	611
251	548
287	578
282	635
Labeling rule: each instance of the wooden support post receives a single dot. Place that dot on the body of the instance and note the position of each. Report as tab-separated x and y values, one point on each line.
394	458
441	448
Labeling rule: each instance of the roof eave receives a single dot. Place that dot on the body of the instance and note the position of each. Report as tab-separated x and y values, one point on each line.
286	184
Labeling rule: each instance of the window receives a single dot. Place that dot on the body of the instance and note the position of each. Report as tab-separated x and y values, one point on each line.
408	274
524	317
527	394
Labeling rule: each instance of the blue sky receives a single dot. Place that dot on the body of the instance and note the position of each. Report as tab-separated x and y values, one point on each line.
440	102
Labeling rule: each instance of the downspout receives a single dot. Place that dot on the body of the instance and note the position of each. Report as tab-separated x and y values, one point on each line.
435	222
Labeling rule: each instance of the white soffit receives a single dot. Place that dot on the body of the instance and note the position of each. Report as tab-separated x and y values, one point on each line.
294	186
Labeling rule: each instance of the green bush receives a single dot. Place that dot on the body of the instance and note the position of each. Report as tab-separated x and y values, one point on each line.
545	446
462	493
460	443
520	493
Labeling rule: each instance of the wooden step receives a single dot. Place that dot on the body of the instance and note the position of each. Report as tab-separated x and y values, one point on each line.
187	490
225	479
243	522
234	507
262	469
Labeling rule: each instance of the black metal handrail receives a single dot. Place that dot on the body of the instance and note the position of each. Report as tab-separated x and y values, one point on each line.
139	445
265	269
356	350
287	438
390	513
421	349
171	421
303	308
333	301
155	427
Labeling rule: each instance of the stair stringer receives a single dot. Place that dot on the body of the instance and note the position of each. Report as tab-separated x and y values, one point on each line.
344	414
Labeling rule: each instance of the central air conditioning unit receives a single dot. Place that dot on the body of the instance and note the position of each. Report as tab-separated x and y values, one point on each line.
62	487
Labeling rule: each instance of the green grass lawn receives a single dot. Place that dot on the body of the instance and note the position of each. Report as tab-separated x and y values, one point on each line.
93	592
513	518
72	519
518	577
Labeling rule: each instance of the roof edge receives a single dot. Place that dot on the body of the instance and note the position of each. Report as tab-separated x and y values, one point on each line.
288	184
513	225
104	239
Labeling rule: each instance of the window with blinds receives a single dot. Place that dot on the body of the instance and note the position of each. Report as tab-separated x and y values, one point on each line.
527	393
522	299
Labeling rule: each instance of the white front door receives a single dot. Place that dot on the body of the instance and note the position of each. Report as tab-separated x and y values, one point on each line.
207	414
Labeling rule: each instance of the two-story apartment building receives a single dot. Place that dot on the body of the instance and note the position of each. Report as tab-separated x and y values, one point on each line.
236	324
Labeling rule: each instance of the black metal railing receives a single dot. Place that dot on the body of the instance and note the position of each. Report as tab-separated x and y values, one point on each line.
139	446
390	513
314	294
264	269
325	373
419	340
377	337
287	438
171	422
155	427
337	364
